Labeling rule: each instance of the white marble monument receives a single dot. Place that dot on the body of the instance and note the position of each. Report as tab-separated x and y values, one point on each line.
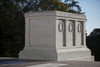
55	35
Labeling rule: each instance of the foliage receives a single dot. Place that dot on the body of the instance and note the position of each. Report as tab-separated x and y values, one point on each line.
93	42
12	30
73	6
52	5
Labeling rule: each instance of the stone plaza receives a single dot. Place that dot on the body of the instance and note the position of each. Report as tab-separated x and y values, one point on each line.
55	35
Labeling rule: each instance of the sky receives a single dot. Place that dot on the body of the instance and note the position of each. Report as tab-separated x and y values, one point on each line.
92	12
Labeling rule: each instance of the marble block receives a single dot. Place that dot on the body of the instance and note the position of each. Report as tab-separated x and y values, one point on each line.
55	35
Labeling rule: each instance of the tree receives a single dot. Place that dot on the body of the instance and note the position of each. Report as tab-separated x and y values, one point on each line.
93	43
52	5
12	30
73	6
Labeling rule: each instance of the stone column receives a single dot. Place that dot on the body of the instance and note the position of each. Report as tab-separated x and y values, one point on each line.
77	35
27	31
84	33
66	31
75	32
69	33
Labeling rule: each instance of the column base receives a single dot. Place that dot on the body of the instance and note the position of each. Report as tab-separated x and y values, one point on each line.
82	54
38	55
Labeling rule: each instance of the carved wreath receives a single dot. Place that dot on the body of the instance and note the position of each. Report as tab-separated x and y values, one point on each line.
70	27
79	27
61	27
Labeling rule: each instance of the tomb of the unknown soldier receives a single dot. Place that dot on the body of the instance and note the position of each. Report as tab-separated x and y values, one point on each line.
55	35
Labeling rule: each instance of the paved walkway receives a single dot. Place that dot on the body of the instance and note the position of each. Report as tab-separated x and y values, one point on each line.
13	62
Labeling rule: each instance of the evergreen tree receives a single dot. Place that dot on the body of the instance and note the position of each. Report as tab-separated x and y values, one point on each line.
73	6
93	43
12	30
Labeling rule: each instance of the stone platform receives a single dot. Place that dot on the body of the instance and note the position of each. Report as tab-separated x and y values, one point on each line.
27	63
61	55
74	54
